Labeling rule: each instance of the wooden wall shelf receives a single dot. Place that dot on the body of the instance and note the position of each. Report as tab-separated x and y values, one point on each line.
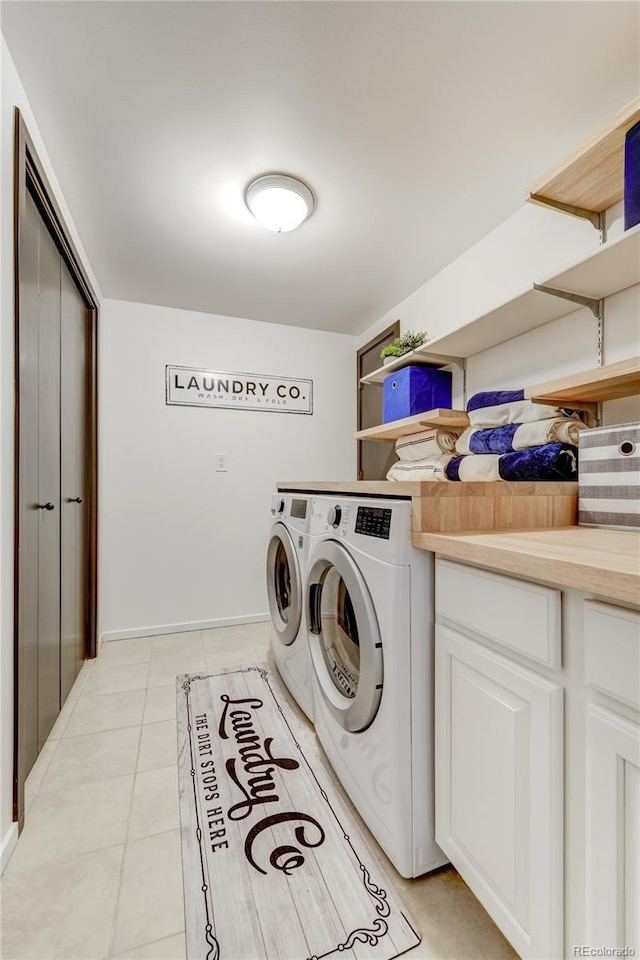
420	421
591	177
586	183
414	358
610	382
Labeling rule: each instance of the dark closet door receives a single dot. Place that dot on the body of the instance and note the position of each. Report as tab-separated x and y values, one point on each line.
49	486
74	476
28	514
56	463
40	478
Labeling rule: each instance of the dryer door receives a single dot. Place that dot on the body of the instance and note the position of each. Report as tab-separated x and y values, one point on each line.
344	637
284	584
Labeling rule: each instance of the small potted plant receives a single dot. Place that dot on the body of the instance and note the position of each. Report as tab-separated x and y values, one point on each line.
404	344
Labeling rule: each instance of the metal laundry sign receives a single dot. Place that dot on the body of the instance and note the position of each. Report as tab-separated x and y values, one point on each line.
194	387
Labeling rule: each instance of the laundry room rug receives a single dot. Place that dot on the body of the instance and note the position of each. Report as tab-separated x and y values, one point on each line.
274	863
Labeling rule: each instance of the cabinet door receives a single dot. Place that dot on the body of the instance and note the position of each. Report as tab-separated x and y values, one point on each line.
613	830
499	796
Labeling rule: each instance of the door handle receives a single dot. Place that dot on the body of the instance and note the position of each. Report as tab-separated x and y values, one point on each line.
315	610
45	506
75	499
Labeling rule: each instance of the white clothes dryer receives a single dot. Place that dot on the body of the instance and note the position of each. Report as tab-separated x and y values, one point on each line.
287	555
369	616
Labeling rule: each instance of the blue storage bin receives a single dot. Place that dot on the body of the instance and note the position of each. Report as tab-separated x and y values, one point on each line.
414	389
632	177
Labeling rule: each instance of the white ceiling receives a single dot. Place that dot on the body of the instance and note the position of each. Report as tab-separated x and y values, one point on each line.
419	125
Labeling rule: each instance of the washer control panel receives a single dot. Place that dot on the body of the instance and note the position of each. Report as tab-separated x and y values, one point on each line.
374	522
299	509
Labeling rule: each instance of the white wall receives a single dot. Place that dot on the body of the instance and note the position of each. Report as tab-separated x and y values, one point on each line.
529	244
182	545
12	95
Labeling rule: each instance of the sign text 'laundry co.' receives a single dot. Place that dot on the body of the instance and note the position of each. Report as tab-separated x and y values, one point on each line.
193	387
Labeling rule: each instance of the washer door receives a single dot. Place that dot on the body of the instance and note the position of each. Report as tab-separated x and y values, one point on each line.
284	586
344	637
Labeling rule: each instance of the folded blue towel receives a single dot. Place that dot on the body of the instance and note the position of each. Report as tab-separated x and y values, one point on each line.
501	407
494	397
551	461
519	436
493	439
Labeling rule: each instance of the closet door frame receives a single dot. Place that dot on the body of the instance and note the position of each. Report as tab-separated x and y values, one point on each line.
29	175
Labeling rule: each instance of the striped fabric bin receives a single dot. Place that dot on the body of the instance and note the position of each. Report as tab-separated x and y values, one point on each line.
609	477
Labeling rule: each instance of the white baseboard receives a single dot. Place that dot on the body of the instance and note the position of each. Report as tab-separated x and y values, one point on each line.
8	845
158	630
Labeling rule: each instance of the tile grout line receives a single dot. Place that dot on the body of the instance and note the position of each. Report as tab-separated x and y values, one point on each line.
42	778
54	863
128	726
116	911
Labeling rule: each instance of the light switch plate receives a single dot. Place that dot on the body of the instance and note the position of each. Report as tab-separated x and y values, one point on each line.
221	462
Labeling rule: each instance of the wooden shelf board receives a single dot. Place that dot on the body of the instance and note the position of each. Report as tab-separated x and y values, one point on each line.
592	176
608	269
408	359
610	382
420	421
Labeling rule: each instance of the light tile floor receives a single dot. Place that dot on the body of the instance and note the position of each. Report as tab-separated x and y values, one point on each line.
97	871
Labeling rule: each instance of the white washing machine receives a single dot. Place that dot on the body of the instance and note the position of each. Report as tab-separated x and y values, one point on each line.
369	615
287	555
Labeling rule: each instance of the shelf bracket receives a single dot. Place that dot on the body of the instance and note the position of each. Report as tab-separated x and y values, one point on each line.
596	306
596	219
450	361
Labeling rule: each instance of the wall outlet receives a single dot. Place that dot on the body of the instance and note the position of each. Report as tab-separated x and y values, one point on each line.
221	462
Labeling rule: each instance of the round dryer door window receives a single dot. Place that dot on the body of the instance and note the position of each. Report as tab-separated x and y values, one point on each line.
344	637
284	587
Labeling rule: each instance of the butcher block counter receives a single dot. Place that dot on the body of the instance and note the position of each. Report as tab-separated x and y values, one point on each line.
526	529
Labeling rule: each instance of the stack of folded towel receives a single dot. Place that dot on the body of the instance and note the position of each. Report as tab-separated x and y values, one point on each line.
509	438
425	455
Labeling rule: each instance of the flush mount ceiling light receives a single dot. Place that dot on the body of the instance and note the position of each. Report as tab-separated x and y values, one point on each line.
279	202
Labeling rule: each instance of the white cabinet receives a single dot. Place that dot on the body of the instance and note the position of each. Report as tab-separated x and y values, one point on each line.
537	730
499	797
612	674
613	830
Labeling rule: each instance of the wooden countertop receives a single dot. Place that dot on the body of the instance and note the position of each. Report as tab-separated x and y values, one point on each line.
452	507
517	528
604	562
415	488
382	488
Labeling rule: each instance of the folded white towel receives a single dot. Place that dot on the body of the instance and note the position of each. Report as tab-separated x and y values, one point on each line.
533	434
446	438
429	468
417	446
427	443
481	467
519	411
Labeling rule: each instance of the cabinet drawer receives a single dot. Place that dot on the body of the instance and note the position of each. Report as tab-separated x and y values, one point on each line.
612	651
518	615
